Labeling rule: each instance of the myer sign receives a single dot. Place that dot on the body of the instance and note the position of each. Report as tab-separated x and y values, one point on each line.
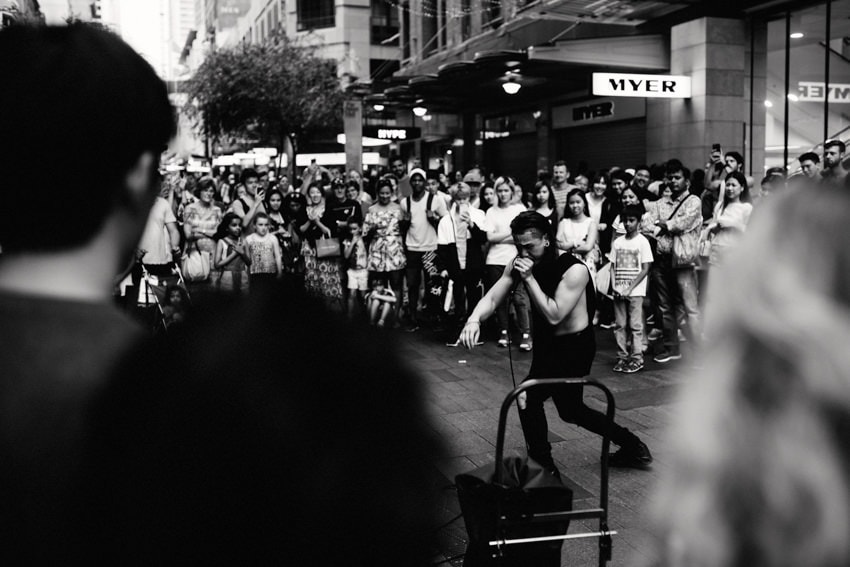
813	92
645	86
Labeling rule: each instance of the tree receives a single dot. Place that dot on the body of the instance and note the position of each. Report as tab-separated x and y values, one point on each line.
266	93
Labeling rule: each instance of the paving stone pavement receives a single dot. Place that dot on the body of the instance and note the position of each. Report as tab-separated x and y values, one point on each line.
464	391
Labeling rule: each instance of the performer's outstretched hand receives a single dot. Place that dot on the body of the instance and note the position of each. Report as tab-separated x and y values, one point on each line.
470	333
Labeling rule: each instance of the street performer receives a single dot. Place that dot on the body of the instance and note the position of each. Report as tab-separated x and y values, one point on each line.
563	301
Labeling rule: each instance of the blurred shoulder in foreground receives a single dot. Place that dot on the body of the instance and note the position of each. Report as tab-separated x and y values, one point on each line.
759	469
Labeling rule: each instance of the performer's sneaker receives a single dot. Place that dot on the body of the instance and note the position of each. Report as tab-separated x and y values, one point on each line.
634	457
526	343
666	356
620	366
503	339
633	366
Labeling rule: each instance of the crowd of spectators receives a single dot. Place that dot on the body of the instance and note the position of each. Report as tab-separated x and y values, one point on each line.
405	247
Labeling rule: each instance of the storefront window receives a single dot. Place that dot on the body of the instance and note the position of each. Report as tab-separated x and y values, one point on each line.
817	68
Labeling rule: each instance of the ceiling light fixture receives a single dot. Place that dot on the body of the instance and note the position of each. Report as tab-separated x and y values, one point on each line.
797	35
427	118
420	111
768	104
378	107
792	97
511	86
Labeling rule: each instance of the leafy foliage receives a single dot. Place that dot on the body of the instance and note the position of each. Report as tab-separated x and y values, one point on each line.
266	93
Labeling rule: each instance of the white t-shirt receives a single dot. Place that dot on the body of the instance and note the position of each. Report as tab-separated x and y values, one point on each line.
500	254
422	236
628	256
155	239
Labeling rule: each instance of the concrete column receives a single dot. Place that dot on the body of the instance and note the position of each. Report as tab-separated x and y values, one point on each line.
353	125
470	134
713	52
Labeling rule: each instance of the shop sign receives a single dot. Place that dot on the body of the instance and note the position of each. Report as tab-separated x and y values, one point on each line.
597	111
394	133
643	86
813	92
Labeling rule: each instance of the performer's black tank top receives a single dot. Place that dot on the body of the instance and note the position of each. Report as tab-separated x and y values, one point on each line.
549	274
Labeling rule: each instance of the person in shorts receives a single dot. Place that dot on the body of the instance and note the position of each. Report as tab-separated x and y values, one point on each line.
354	254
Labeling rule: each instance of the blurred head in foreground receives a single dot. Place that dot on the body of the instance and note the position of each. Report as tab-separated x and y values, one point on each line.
761	457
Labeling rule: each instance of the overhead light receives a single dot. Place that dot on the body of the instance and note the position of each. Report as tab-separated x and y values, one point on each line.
511	86
536	114
792	97
378	107
768	104
420	110
427	117
448	152
797	35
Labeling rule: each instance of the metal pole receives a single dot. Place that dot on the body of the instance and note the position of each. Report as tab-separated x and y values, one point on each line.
752	87
787	87
826	55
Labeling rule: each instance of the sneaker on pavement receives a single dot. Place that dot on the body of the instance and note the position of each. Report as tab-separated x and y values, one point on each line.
620	366
633	366
503	339
526	343
634	457
666	356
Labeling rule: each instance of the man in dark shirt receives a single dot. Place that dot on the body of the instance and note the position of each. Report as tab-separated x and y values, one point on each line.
65	237
562	299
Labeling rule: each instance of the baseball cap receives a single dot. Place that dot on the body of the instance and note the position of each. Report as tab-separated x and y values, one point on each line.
417	171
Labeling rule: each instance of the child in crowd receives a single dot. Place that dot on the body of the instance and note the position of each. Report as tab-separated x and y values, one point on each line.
632	258
174	305
381	301
354	253
264	252
231	256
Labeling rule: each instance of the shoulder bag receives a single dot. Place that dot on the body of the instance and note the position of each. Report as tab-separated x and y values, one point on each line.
195	265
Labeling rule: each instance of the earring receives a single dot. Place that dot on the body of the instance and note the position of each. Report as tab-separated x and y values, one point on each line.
546	244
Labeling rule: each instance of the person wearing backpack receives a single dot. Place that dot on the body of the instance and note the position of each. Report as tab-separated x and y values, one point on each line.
421	214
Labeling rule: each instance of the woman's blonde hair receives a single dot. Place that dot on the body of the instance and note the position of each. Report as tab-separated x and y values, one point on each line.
759	472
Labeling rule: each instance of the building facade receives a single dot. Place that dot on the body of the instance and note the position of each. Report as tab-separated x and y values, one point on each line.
757	70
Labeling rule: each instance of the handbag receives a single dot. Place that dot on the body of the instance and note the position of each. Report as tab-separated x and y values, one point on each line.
604	280
705	237
195	265
327	247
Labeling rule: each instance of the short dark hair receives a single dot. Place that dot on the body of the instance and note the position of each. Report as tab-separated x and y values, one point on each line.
88	96
258	216
631	212
248	173
838	143
737	157
675	166
560	162
809	156
531	220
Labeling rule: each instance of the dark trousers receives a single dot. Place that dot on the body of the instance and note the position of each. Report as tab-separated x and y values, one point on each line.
413	274
676	290
566	356
467	292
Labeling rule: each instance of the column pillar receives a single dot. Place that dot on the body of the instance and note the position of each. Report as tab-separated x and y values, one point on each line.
713	52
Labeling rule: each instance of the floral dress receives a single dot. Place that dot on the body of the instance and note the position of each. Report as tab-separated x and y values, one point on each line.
386	251
321	276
